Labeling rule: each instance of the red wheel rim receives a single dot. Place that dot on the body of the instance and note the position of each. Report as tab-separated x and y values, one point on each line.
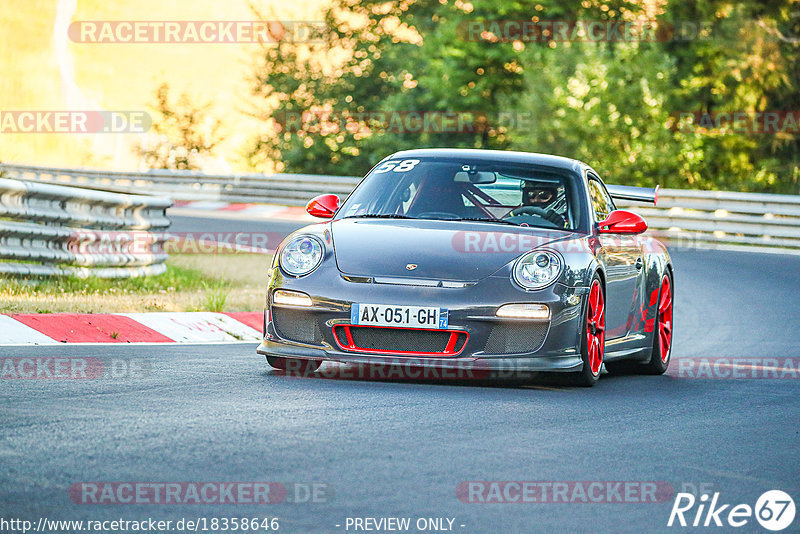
665	318
596	328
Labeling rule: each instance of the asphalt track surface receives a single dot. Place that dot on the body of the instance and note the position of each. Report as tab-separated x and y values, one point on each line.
400	448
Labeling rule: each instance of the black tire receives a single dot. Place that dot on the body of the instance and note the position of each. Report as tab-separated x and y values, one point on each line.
294	365
586	377
656	365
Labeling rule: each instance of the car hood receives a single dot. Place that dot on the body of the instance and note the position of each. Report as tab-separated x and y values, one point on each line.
441	250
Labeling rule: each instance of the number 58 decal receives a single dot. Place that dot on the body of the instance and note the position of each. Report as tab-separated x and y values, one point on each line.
397	166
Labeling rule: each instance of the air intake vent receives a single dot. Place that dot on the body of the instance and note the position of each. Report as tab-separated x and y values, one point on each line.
296	325
401	340
515	338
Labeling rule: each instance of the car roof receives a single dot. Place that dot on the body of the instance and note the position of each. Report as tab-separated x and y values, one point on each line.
506	156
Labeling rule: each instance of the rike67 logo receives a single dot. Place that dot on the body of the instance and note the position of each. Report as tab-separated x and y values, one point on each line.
774	510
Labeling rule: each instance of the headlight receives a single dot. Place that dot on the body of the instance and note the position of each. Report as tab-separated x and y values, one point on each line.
302	255
538	269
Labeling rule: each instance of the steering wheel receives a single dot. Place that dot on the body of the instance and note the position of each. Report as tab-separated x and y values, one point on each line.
546	214
528	210
438	215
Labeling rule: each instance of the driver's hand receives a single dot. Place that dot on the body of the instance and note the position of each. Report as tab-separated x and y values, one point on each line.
554	218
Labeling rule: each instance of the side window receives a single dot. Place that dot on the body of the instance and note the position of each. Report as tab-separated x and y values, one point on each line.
601	202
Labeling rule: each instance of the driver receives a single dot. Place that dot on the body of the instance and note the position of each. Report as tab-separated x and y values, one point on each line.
539	198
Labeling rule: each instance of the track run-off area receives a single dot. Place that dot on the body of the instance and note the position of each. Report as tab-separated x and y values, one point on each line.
333	448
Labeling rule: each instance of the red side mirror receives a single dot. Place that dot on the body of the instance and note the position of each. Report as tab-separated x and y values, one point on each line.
323	206
622	222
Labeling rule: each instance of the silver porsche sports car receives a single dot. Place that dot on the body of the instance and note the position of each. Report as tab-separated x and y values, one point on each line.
448	258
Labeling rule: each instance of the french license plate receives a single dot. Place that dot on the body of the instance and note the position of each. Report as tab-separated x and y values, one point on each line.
405	316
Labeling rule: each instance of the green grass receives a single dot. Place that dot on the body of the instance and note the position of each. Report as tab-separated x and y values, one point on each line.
207	282
173	278
216	296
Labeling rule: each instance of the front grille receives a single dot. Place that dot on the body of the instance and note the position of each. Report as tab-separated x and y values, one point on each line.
296	325
400	340
515	338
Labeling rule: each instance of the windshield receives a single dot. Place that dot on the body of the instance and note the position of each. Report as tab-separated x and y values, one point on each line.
453	189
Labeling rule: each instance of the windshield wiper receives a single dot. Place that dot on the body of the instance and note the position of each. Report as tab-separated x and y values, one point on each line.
496	221
378	216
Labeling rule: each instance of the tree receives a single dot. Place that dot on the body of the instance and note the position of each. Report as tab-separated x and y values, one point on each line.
184	134
393	58
616	104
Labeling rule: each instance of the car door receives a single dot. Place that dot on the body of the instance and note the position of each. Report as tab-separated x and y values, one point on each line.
622	257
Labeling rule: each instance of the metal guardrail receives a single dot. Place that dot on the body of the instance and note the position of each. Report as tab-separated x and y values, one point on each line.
725	220
52	230
284	189
707	219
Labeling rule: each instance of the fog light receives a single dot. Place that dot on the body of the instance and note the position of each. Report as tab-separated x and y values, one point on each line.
290	298
524	311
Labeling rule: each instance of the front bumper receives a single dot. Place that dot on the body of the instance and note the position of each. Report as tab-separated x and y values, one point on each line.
493	343
498	364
